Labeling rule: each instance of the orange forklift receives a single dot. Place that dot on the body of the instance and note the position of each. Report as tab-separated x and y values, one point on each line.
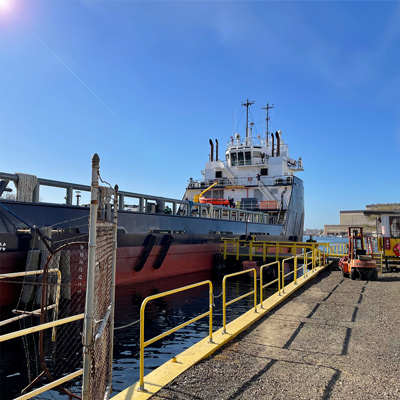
360	259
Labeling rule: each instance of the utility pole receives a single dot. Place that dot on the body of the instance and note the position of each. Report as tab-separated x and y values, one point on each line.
247	104
268	118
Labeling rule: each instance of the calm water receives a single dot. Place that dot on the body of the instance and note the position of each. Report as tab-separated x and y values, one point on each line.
161	315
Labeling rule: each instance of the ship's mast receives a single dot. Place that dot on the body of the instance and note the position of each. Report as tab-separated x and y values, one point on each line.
247	104
267	119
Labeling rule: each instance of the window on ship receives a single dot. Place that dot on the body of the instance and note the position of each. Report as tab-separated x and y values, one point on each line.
264	171
248	157
240	158
218	174
233	158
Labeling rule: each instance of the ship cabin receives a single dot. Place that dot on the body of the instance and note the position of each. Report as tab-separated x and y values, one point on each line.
255	174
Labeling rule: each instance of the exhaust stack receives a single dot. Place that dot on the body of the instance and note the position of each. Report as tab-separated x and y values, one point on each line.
216	149
272	145
212	151
278	144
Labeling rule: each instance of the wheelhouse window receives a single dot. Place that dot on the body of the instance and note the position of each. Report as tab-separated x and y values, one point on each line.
248	157
240	158
394	227
233	159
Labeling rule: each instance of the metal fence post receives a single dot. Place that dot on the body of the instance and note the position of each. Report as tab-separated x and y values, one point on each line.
113	274
88	321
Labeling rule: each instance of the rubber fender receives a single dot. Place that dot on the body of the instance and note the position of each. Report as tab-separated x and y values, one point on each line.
165	244
148	244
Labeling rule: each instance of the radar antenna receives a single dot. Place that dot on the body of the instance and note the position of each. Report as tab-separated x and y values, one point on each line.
247	104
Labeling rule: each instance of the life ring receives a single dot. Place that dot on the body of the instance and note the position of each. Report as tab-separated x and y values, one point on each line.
396	249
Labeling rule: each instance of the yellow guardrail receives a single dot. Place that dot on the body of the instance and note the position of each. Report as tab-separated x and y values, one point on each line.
289	273
38	328
269	283
317	257
336	250
50	385
258	249
36	312
225	304
314	255
144	344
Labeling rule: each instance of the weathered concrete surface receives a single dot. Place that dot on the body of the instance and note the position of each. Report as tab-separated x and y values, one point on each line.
334	339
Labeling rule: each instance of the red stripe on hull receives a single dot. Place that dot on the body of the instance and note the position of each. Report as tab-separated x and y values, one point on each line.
180	259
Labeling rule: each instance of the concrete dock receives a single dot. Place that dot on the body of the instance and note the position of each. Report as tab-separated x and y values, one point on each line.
334	338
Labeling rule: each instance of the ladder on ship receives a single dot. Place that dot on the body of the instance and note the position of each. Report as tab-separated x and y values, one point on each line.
281	216
266	191
228	172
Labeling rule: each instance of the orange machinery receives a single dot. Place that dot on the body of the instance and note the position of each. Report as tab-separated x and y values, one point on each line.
360	259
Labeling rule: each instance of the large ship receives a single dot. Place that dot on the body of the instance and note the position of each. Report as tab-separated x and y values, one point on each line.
251	191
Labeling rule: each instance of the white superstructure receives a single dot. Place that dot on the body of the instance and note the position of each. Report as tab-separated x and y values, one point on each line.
255	173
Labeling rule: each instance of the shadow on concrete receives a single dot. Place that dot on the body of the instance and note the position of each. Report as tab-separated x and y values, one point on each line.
254	378
346	341
354	316
331	384
388	278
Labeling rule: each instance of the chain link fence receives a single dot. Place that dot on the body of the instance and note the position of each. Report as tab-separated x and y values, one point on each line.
53	292
70	358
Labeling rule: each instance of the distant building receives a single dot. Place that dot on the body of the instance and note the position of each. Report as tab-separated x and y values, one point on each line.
357	218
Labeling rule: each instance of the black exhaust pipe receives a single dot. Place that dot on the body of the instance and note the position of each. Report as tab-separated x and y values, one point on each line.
216	149
212	151
273	145
278	144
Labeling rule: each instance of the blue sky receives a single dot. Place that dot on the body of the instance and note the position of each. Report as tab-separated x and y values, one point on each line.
146	84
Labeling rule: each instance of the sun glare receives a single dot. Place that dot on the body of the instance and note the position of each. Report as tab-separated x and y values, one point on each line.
4	4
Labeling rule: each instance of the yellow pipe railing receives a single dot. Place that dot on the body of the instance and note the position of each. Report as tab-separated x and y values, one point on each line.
38	328
231	247
283	272
50	385
143	344
316	255
225	304
269	283
55	305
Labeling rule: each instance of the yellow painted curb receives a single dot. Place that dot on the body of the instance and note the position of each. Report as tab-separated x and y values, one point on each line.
164	374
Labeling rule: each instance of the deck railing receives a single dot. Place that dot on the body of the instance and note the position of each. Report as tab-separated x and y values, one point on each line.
136	202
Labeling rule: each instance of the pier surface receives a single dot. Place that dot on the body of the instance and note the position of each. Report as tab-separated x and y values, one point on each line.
332	339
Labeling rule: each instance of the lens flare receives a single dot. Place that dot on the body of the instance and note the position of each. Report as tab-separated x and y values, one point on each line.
4	4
